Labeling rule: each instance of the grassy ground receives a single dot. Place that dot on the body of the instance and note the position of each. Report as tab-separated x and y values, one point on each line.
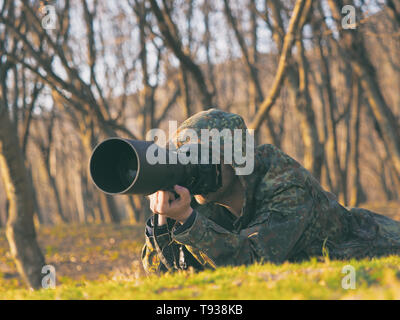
103	262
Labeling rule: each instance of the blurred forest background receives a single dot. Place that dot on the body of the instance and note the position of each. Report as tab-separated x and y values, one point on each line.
326	94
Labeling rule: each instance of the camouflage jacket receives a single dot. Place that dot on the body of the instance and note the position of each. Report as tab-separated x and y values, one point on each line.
287	216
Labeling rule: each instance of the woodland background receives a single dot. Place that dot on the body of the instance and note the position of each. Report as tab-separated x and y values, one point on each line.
326	95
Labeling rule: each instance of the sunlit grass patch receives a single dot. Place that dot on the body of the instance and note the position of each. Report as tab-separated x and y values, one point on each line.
375	279
103	262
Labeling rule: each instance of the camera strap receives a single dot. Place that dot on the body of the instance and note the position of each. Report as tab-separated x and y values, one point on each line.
170	253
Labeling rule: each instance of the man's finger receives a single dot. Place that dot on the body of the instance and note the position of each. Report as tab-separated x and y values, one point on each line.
163	201
153	202
158	196
171	196
183	193
164	197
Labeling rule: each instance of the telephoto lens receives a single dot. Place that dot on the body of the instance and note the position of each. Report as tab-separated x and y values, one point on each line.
120	166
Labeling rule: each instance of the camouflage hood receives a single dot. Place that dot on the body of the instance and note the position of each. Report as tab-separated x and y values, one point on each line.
220	130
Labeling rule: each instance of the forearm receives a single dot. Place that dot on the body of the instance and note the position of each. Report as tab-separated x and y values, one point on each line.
150	258
160	253
219	245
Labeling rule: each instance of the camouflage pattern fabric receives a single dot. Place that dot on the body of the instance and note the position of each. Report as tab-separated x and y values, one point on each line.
287	216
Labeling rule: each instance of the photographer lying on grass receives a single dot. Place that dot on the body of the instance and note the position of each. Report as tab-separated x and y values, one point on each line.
277	213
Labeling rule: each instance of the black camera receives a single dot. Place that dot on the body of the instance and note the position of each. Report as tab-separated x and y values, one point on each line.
120	166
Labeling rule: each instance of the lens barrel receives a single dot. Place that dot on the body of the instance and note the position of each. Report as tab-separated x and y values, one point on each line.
120	166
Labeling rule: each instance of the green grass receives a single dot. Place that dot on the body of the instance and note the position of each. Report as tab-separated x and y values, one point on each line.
375	279
109	268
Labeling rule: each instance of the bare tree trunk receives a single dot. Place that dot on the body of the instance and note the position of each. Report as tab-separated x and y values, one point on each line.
353	44
38	210
320	87
169	31
393	10
357	194
207	8
148	90
80	206
99	213
130	209
288	41
24	136
56	193
110	208
1	219
331	106
256	93
20	230
45	151
314	152
185	90
298	81
134	208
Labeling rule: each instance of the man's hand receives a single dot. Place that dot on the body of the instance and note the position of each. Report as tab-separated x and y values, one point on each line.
166	205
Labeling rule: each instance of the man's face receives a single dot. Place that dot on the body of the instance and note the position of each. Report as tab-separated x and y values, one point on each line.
228	179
